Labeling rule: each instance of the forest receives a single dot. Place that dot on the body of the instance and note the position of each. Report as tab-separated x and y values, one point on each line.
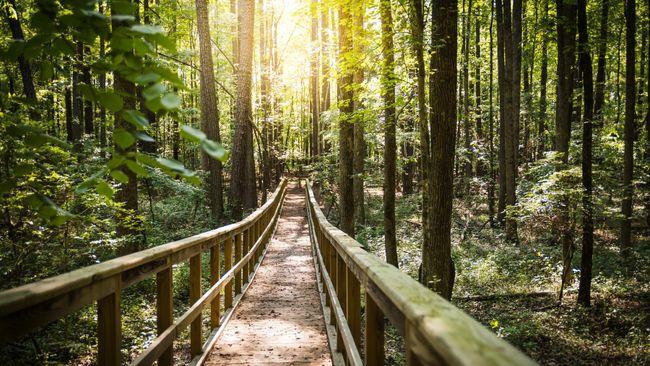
495	151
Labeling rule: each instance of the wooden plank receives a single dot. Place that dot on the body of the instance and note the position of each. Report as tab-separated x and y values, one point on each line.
353	306
238	253
195	295
215	269
245	249
109	330
228	296
164	310
341	272
374	342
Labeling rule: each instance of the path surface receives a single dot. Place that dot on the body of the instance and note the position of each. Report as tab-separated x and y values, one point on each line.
280	319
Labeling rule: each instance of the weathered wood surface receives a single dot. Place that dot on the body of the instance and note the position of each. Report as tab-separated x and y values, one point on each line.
436	332
279	319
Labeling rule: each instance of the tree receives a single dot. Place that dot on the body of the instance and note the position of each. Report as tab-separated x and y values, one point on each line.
390	144
437	265
584	291
629	127
242	185
599	100
209	111
543	81
313	82
346	121
359	118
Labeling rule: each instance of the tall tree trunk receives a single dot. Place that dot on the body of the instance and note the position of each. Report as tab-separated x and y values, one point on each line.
86	78
209	111
584	291
437	266
77	99
543	81
242	185
359	118
629	127
647	135
325	67
477	79
417	30
566	33
599	100
313	82
346	122
127	194
467	164
23	65
148	146
492	179
267	128
390	145
502	83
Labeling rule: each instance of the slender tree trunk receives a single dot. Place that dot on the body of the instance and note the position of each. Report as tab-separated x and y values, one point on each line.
390	145
314	83
467	132
209	111
359	118
629	127
584	291
647	135
437	266
543	81
127	194
267	128
599	100
502	82
477	79
23	65
77	100
88	114
325	66
346	122
492	179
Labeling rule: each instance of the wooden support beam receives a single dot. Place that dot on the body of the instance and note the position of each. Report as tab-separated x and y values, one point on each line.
227	263
215	274
238	251
164	310
195	294
374	341
341	272
109	330
353	306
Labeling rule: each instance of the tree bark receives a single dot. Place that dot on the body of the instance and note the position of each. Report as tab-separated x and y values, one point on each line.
209	111
390	145
584	291
437	265
543	81
242	186
314	83
23	65
359	118
599	100
629	127
346	122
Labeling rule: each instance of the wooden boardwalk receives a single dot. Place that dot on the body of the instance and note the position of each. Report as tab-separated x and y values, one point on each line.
280	318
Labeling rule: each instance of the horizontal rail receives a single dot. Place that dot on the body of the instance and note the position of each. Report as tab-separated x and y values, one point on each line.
435	331
350	348
27	307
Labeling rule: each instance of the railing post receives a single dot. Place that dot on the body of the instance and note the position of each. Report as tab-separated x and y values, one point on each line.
227	263
215	274
195	295
164	310
109	329
411	358
238	247
353	306
340	292
374	333
246	248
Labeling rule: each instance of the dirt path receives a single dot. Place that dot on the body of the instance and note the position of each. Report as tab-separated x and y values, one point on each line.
279	320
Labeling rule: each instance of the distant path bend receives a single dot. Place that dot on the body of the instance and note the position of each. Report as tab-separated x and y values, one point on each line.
280	318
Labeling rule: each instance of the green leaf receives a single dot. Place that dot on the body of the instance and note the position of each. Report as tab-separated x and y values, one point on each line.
6	186
153	91
110	101
143	136
104	189
170	164
47	70
148	160
136	118
192	134
137	168
147	29
147	78
123	138
215	150
115	161
120	176
153	105
170	101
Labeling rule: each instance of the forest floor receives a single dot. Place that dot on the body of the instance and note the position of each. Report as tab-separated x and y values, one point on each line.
513	290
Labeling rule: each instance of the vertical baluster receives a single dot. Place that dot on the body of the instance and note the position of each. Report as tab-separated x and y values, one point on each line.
238	246
374	333
227	262
195	295
341	272
411	358
246	248
353	306
164	310
109	329
215	274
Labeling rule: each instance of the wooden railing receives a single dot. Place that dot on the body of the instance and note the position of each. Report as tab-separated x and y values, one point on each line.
435	331
25	308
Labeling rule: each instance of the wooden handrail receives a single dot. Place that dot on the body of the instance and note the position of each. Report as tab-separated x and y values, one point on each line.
435	331
27	307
